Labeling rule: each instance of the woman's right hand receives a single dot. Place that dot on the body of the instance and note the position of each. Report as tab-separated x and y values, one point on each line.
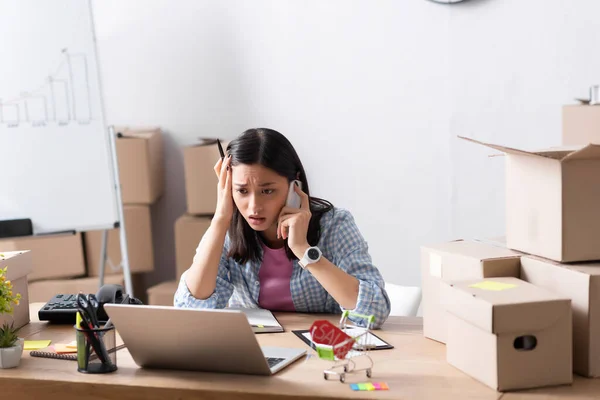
224	211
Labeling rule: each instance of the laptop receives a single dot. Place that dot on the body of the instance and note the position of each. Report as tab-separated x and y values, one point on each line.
196	339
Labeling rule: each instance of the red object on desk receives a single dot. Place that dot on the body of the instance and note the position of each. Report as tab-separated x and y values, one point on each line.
324	332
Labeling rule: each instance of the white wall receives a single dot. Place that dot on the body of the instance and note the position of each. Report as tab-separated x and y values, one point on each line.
372	95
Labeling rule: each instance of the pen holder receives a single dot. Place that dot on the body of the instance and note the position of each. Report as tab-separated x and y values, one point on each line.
96	350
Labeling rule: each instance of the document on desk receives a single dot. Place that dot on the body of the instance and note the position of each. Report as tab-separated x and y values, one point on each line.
261	320
370	339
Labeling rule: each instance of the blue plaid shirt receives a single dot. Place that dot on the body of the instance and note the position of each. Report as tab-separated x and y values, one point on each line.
238	285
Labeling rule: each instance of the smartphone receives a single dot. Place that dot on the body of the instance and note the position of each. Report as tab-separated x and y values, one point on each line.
293	199
221	149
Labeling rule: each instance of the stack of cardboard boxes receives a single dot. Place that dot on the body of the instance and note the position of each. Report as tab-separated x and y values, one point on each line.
201	198
524	312
70	263
54	258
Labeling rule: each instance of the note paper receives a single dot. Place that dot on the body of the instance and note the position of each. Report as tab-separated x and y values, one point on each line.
65	348
369	386
36	344
262	319
491	285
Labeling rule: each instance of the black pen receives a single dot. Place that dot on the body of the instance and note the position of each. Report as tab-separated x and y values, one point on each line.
221	150
96	343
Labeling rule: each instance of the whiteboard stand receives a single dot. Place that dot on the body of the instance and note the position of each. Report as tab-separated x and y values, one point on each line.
122	233
103	257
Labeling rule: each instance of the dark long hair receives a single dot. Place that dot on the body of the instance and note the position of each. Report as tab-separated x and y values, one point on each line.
272	150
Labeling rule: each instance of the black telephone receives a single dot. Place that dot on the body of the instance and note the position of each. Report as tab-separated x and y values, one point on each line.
62	308
111	293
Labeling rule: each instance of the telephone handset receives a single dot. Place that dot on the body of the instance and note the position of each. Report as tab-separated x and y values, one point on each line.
111	293
293	198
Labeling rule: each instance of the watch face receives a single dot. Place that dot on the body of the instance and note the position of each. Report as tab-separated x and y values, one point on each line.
313	254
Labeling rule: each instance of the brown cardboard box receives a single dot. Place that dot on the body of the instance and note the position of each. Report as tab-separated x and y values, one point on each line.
580	283
141	165
54	256
580	124
552	199
138	226
162	294
188	233
200	178
458	260
43	291
508	334
18	265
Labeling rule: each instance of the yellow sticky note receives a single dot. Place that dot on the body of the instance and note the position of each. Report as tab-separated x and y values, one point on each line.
491	285
260	326
36	344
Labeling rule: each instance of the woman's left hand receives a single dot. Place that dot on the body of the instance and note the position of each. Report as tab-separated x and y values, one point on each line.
293	224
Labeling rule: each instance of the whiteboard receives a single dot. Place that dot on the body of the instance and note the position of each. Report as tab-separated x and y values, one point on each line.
56	163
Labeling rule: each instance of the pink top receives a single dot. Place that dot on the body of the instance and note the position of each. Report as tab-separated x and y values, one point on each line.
274	275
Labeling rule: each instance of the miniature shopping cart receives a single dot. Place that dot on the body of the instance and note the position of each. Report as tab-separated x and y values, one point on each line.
343	345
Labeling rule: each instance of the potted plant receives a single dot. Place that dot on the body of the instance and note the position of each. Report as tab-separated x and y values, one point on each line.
11	346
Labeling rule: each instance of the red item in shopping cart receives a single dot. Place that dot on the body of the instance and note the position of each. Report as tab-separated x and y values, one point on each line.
325	333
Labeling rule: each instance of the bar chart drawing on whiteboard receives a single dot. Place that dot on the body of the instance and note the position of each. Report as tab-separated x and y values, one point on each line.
57	146
63	98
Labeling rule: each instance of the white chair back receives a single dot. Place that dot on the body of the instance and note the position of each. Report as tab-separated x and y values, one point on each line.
405	300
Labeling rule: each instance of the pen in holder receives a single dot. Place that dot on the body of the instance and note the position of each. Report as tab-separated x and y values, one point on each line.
95	350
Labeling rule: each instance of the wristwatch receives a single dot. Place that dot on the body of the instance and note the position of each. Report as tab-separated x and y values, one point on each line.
311	255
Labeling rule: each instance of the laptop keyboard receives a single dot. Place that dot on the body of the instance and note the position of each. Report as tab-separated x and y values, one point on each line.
273	361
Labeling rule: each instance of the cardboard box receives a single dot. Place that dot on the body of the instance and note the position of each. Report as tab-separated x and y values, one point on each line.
138	226
43	291
580	124
458	260
162	294
581	284
200	178
499	241
141	165
18	265
552	199
508	334
54	256
188	233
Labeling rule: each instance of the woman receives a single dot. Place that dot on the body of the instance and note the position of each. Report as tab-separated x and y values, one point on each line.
258	252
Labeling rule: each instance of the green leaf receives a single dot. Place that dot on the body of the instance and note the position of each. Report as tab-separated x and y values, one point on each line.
8	335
